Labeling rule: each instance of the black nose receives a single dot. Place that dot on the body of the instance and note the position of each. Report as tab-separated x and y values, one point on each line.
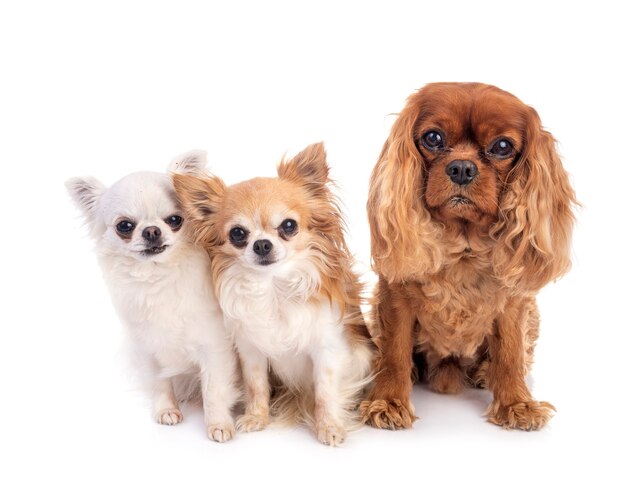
151	234
461	172
262	247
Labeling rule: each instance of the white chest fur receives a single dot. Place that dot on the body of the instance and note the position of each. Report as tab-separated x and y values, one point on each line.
273	311
168	308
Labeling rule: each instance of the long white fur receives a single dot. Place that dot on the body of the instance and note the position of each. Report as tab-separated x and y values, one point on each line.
276	323
166	301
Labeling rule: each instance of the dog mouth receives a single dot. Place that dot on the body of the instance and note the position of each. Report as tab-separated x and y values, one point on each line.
154	250
265	261
458	200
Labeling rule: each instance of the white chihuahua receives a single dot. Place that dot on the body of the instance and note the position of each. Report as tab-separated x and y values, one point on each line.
160	284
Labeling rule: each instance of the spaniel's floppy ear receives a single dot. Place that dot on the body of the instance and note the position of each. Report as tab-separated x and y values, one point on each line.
404	239
200	198
86	193
308	167
536	220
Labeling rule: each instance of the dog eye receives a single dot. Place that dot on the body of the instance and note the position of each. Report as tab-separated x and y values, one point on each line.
174	221
238	236
125	227
501	148
288	227
433	141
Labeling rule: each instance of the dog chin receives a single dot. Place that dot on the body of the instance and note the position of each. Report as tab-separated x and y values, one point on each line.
459	208
459	201
153	251
261	264
154	254
265	263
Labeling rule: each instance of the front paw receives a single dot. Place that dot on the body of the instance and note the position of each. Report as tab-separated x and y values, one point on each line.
528	416
221	432
252	422
387	414
169	417
330	434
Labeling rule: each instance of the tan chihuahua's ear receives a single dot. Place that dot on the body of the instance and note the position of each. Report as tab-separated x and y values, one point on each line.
308	167
191	162
200	198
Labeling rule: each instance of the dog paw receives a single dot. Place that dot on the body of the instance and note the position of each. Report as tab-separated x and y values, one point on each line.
392	414
527	416
169	417
221	432
330	434
252	422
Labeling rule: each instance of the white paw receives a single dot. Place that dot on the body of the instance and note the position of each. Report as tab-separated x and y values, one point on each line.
221	432
169	417
330	434
252	422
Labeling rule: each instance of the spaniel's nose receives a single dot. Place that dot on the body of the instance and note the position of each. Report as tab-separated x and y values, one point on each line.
461	172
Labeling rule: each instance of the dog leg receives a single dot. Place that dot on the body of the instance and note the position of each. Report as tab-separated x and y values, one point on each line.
513	405
257	387
389	403
164	404
219	392
330	362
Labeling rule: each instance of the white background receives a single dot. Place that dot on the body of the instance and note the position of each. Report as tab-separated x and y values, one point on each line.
107	88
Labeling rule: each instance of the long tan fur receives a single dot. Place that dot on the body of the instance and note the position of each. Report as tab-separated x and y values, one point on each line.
302	188
533	233
458	282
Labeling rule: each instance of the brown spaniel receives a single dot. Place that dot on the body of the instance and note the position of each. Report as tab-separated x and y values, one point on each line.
471	215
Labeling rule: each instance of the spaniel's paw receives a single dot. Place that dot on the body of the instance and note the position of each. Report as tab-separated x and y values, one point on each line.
527	416
387	414
169	417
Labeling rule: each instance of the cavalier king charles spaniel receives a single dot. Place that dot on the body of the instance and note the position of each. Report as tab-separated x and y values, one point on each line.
471	215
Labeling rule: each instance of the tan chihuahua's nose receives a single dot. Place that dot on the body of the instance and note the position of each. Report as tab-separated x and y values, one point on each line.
262	247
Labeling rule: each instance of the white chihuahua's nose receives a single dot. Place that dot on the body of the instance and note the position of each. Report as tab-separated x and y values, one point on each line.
151	234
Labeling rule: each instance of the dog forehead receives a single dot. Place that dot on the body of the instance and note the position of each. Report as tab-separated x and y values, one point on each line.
139	195
496	112
262	199
444	106
476	110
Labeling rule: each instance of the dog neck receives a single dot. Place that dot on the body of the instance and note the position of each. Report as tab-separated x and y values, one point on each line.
465	239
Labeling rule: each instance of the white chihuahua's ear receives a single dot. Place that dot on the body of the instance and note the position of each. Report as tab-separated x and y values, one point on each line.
191	162
86	192
308	166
